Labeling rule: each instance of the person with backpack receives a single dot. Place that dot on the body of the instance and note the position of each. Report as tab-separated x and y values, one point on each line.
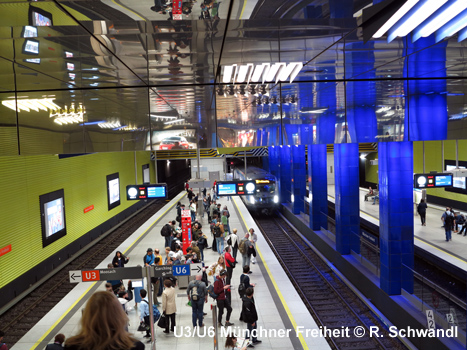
144	312
202	244
253	239
167	233
198	295
218	233
244	248
220	287
448	219
232	240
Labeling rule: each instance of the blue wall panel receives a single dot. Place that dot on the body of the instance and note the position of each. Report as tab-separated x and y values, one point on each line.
317	179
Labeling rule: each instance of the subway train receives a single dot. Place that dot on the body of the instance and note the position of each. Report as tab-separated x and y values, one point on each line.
266	199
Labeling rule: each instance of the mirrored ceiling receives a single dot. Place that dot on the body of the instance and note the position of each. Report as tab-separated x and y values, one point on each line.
120	75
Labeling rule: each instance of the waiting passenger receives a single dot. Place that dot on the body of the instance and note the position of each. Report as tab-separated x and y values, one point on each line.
216	268
103	326
119	260
202	244
253	239
232	240
2	344
369	194
220	288
250	316
149	258
231	343
57	344
144	312
115	283
421	209
169	306
244	248
460	220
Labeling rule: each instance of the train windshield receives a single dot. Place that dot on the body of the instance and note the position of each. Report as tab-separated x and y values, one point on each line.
266	188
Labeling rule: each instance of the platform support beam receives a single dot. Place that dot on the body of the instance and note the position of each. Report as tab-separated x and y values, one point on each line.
346	164
298	178
318	186
396	228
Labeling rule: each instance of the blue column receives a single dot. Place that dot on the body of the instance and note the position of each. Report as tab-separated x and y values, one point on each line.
395	176
298	178
285	174
273	159
317	178
346	162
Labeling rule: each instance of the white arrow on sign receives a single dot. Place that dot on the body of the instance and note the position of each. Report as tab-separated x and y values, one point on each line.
196	269
75	276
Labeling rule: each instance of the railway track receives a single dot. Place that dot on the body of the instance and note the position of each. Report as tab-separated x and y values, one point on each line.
332	304
19	319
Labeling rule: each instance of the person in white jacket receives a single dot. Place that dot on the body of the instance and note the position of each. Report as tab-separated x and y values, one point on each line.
233	241
253	239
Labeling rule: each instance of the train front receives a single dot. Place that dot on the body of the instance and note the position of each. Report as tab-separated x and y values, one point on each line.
265	200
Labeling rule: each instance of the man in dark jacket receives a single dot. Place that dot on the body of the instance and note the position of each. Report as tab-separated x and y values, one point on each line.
250	316
219	288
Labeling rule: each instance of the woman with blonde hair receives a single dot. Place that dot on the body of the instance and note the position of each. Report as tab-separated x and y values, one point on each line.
103	326
217	267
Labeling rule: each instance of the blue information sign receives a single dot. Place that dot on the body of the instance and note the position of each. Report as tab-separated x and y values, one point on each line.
181	270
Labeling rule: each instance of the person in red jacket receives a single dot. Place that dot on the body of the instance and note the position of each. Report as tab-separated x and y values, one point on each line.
230	265
220	288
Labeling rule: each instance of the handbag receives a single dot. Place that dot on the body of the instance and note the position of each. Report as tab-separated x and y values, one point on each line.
142	327
162	321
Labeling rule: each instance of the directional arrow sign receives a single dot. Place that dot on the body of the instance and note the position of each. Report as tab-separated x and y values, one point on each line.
196	269
75	276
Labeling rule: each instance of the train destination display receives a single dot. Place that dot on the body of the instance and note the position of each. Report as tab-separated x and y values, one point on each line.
235	188
146	191
433	180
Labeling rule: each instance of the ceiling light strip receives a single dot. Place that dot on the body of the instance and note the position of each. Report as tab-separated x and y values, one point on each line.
395	18
453	26
414	17
447	12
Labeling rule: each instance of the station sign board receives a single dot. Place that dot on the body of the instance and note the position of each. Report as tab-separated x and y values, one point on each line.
119	273
235	188
434	180
146	191
187	269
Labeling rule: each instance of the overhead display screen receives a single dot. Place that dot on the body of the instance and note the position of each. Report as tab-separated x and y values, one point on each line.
433	180
227	189
113	190
235	188
52	207
146	191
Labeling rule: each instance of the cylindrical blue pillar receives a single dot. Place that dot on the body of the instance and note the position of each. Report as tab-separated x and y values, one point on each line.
298	178
285	174
346	162
395	176
318	182
273	159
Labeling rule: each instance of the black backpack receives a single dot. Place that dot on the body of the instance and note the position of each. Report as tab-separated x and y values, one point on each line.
449	221
241	288
217	231
166	230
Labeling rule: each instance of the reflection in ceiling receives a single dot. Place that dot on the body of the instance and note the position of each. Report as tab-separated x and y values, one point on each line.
118	71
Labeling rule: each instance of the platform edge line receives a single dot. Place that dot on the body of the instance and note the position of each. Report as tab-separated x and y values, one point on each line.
284	303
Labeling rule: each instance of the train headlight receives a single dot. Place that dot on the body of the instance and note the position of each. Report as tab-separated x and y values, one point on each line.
276	199
252	200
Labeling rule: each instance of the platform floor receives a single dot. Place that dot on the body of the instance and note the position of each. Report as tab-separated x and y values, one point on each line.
430	237
279	306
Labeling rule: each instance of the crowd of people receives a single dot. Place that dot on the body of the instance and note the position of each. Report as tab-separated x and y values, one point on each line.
105	322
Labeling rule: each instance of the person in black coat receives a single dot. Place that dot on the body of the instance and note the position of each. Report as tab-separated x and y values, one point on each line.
57	344
249	315
421	208
119	259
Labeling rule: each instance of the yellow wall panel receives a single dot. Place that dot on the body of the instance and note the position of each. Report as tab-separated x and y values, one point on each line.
83	179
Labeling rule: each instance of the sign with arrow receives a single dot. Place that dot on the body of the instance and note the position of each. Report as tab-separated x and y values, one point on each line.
75	276
196	269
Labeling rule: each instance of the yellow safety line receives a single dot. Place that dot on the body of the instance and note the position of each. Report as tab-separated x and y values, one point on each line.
92	285
276	287
431	245
243	9
61	317
126	8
